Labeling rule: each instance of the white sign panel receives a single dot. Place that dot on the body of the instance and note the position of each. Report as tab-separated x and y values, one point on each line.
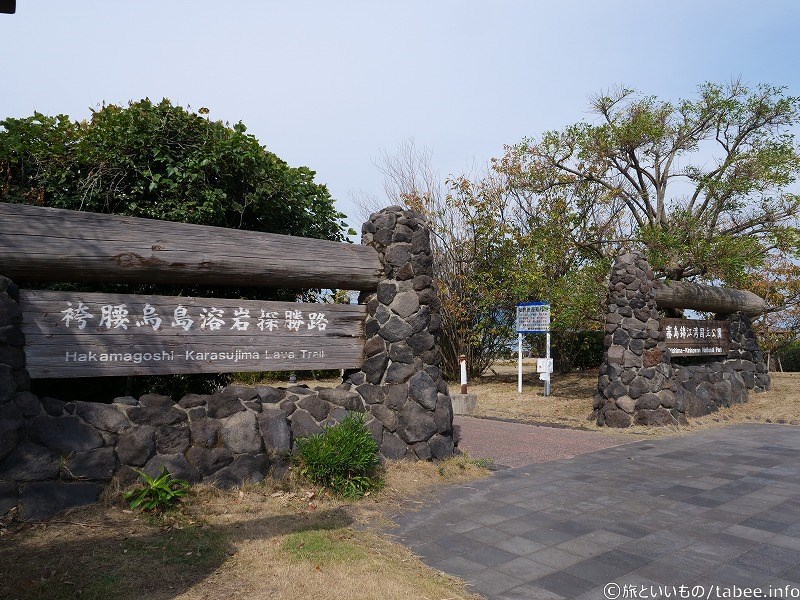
544	365
533	317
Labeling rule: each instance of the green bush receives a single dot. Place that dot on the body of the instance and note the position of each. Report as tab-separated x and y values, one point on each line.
790	357
159	493
343	458
577	350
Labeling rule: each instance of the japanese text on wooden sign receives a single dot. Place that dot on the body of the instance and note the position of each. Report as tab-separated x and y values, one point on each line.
691	337
72	334
533	317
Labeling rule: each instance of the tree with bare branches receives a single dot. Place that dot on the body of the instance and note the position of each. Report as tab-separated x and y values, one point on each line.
494	245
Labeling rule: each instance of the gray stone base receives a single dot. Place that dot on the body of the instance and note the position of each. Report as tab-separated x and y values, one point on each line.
464	404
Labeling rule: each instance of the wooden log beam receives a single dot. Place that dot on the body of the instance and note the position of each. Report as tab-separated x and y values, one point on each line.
685	294
49	244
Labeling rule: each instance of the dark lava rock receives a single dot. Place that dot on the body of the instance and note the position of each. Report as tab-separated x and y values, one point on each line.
245	468
303	424
275	431
346	399
136	446
157	415
393	447
97	464
209	460
176	465
64	434
102	416
240	433
30	462
172	440
205	432
47	498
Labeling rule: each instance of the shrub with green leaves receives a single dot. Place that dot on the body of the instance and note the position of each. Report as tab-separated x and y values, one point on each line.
159	493
158	160
790	356
343	458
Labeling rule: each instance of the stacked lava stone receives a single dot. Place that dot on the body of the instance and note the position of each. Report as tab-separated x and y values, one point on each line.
635	383
62	454
639	383
400	381
744	348
14	380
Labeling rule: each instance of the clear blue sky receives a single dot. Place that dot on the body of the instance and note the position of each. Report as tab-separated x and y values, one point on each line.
331	84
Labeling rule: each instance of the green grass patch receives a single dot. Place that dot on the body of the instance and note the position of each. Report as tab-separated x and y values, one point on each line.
99	586
323	546
102	586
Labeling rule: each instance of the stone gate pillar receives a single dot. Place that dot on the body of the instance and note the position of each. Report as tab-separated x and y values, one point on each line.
745	355
400	381
635	383
14	385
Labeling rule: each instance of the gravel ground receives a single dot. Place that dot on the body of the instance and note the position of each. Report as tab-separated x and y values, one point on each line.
517	445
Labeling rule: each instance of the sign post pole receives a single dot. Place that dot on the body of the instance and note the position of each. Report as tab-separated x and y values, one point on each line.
519	363
547	356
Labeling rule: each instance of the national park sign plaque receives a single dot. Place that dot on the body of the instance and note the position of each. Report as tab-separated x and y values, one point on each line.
692	337
76	334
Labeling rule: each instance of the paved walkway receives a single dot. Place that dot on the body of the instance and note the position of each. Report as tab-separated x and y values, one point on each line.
719	508
511	444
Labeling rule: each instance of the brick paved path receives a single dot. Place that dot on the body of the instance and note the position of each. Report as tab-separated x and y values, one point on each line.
516	444
721	507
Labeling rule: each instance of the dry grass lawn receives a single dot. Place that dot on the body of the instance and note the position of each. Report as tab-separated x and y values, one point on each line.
285	541
571	398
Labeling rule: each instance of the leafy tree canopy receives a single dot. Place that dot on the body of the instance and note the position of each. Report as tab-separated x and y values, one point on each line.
161	161
703	185
494	244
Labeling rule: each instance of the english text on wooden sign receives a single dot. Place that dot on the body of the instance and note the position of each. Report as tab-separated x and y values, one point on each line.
76	334
692	337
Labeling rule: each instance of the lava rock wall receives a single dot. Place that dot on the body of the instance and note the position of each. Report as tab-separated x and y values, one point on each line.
54	455
640	384
66	453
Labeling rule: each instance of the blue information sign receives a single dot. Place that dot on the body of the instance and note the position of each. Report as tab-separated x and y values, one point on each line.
533	317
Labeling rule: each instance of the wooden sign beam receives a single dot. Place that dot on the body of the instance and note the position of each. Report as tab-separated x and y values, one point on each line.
77	334
49	244
694	296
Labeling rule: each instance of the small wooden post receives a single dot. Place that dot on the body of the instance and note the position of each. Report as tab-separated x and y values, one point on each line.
462	360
